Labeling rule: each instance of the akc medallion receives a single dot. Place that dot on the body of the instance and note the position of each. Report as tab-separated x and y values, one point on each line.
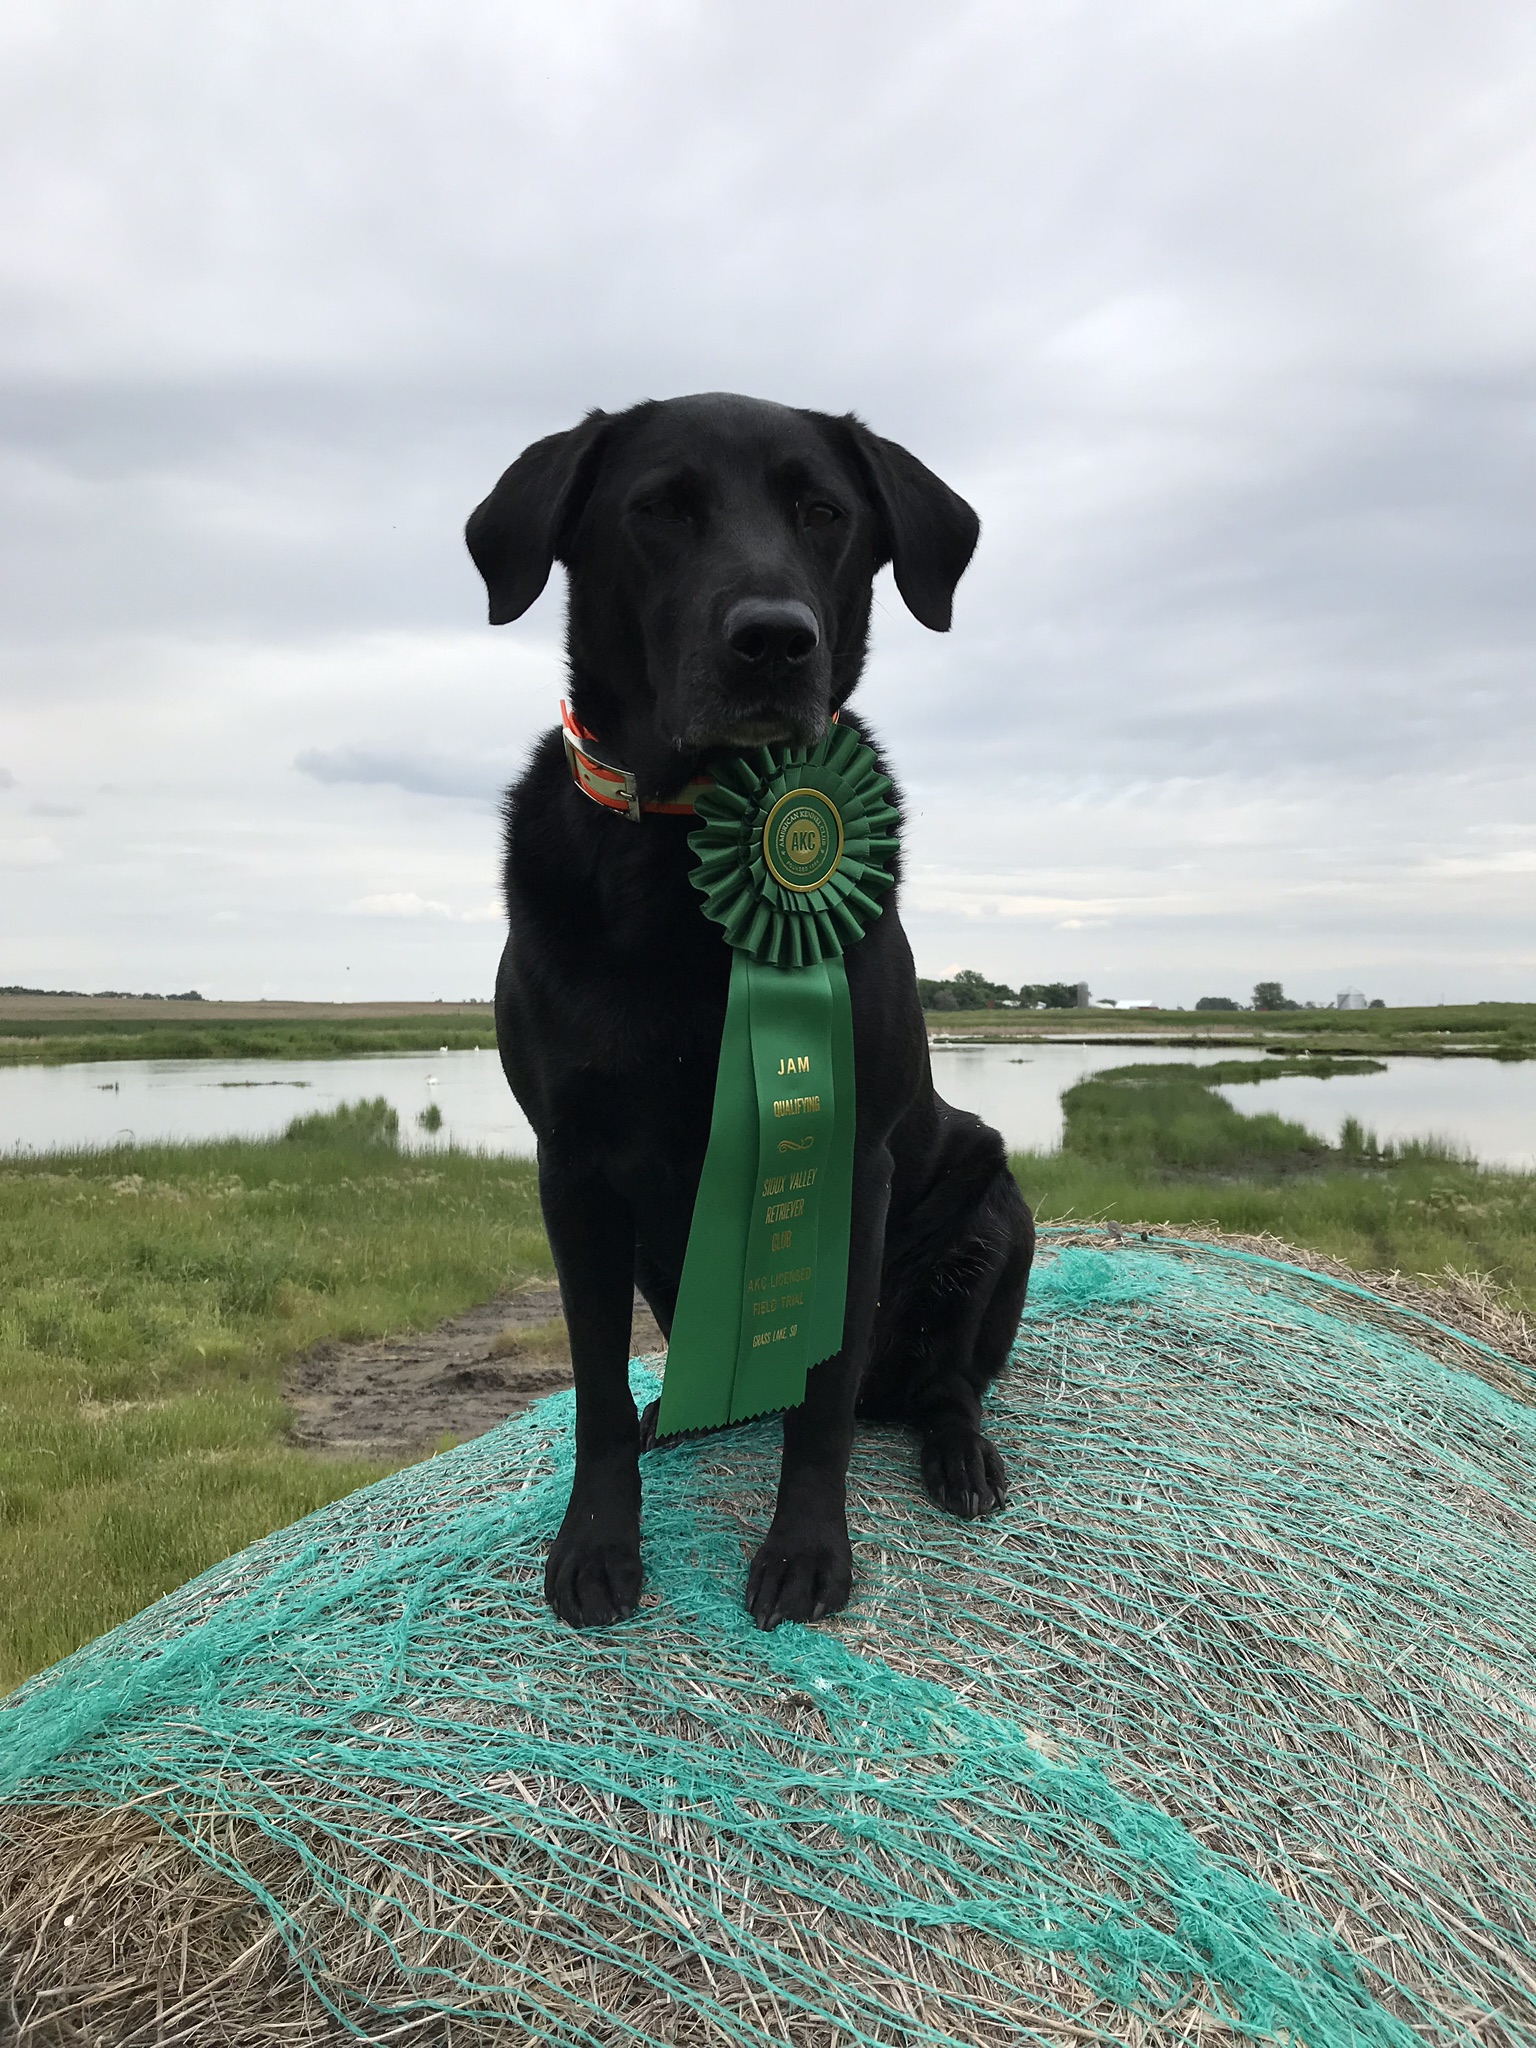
803	839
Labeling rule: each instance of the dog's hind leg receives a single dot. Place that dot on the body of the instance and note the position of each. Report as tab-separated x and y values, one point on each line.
658	1286
948	1336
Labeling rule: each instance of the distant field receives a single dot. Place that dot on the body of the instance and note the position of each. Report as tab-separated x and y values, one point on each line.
150	1009
46	1030
53	1030
1470	1030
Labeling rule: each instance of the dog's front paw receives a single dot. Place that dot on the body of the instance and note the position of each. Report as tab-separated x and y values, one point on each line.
799	1578
592	1584
964	1472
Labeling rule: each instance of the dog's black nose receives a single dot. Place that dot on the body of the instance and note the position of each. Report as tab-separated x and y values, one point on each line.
771	632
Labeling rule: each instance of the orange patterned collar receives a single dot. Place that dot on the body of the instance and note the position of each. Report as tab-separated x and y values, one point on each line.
613	787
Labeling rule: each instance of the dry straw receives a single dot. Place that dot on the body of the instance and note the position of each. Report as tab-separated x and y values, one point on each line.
1222	1732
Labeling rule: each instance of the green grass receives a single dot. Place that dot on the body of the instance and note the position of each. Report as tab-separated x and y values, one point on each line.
1154	1144
56	1042
1178	1125
148	1301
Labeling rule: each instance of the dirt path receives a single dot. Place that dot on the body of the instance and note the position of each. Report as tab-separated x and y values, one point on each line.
390	1396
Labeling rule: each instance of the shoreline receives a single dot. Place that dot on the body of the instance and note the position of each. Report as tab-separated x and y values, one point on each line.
54	1030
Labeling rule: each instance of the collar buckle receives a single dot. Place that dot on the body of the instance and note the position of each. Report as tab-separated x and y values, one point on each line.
614	788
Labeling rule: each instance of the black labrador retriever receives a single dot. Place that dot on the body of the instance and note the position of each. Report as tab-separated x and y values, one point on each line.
721	552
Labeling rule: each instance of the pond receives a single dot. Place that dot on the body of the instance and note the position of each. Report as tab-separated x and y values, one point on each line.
1481	1105
111	1102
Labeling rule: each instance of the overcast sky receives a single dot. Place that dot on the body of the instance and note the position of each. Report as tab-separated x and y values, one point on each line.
1221	312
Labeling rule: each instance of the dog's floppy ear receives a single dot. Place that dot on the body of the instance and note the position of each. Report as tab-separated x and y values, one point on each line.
930	531
516	533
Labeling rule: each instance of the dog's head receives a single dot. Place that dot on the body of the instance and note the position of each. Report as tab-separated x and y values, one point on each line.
721	552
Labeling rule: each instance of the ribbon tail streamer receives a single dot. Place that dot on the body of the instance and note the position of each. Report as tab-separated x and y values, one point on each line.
765	1277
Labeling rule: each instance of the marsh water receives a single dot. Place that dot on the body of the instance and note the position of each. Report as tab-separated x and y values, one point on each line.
1483	1107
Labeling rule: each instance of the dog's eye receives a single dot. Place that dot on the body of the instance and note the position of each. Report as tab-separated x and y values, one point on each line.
665	511
819	513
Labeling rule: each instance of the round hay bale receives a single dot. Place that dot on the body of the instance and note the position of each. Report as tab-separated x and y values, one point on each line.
1221	1732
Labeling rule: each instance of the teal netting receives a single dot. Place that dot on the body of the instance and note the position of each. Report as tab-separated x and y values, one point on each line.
1223	1731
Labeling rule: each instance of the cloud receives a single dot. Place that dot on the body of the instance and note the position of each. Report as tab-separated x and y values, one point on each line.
421	774
402	903
406	903
1223	318
36	852
7	779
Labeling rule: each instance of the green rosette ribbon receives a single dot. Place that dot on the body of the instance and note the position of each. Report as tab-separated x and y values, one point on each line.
795	849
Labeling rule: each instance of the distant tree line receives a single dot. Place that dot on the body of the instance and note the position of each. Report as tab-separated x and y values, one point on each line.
969	990
1268	995
101	995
